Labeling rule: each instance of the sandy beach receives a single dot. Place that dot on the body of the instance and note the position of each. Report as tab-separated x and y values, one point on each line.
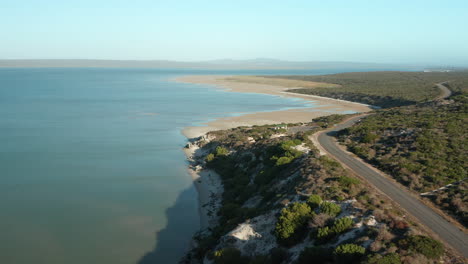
208	185
322	106
207	182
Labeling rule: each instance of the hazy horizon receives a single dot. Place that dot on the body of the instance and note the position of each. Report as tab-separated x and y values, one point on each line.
400	32
258	63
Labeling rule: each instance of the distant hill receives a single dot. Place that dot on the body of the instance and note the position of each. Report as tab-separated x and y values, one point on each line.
261	63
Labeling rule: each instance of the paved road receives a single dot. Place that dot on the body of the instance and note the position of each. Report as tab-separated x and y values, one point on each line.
444	229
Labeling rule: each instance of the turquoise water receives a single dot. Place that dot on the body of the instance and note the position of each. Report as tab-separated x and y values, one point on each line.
91	164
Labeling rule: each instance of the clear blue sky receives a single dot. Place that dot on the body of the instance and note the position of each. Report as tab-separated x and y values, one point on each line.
393	31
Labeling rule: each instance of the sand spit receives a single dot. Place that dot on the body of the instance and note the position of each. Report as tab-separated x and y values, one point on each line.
322	105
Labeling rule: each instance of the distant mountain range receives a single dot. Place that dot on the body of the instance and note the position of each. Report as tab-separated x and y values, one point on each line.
262	63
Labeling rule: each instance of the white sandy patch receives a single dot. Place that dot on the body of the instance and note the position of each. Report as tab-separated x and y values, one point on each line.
253	237
302	148
250	139
314	139
244	232
277	135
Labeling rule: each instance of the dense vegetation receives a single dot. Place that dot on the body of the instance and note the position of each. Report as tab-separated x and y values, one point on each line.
422	146
292	223
315	203
384	89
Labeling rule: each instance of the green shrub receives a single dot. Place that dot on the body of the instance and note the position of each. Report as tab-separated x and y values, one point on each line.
288	144
283	161
424	245
330	209
369	138
229	256
292	222
349	253
392	258
221	151
315	255
346	181
358	151
210	157
314	201
324	234
284	153
342	224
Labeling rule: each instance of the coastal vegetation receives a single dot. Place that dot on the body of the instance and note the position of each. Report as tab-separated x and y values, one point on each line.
384	89
419	142
292	223
284	203
422	146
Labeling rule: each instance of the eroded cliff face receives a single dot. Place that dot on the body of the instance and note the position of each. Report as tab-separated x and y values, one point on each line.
283	202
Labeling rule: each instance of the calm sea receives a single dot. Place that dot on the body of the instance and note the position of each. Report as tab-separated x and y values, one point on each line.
91	167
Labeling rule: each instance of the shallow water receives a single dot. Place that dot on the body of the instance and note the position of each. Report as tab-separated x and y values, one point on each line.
91	164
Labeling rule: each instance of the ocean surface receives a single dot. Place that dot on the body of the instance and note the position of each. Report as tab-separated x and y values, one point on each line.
91	161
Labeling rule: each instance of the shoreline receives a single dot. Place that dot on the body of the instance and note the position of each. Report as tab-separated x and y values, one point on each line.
207	182
321	105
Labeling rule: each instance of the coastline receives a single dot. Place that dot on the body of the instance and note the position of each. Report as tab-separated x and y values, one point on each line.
207	182
322	105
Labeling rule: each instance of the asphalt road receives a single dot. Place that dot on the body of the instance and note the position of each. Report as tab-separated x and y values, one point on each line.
451	234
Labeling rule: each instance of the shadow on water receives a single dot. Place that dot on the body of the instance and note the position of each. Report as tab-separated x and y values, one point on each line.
174	240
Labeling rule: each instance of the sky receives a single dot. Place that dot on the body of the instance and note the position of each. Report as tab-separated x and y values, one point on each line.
383	31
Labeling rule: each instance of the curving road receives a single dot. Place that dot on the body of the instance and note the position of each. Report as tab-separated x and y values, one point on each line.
445	92
426	216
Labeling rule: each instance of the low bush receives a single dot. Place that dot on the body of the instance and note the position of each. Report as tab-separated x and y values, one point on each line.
288	144
424	245
314	201
346	181
392	258
221	151
342	224
284	153
292	222
330	208
283	160
349	253
210	157
324	234
369	138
